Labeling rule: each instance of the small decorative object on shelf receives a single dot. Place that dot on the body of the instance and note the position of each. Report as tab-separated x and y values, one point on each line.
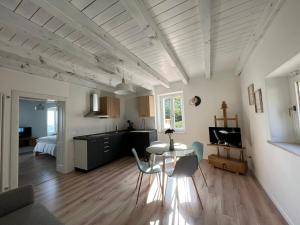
169	132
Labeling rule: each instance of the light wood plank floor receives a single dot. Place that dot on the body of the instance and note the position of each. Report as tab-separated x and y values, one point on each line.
106	196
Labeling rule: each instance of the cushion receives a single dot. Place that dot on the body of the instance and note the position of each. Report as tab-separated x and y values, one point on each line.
34	214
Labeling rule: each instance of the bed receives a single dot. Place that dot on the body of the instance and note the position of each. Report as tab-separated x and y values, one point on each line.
46	145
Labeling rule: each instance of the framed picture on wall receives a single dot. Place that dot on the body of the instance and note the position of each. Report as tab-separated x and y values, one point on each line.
258	101
251	94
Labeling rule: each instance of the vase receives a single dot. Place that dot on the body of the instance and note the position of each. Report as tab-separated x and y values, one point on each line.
171	148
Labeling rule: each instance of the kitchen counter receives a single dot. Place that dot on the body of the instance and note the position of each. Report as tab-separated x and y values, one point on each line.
93	136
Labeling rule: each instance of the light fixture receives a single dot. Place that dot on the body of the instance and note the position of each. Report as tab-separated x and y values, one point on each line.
39	107
123	88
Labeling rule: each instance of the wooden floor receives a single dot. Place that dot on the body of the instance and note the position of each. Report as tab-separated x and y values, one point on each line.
106	196
36	169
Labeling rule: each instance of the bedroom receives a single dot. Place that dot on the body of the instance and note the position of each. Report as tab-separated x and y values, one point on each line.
37	140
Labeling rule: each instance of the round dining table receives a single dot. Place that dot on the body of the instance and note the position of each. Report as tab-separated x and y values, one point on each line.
159	148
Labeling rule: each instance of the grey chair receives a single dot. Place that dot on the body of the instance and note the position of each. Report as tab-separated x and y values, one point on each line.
186	167
145	168
198	148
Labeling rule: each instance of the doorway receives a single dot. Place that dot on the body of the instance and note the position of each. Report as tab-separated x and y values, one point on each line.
38	138
38	123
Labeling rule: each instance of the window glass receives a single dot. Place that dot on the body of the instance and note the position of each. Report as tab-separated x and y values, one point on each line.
52	121
167	113
178	112
172	115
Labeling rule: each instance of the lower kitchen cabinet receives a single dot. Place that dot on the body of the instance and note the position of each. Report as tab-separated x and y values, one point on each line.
92	151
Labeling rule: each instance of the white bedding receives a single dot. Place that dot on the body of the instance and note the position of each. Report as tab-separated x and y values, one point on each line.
46	145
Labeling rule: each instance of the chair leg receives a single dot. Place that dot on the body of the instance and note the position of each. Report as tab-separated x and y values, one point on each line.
203	176
197	191
139	189
137	181
162	194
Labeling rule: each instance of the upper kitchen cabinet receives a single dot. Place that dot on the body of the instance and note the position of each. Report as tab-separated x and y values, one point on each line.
110	106
146	106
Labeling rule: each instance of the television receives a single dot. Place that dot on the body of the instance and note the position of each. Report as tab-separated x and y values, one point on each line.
24	131
225	136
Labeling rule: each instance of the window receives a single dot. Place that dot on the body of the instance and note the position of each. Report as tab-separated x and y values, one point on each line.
172	115
52	120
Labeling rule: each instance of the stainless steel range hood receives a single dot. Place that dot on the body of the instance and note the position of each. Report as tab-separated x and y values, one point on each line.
94	107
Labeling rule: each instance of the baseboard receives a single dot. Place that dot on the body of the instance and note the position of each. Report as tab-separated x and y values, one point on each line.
274	200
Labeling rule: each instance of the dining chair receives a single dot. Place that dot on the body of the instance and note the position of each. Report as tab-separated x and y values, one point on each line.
198	148
145	168
186	166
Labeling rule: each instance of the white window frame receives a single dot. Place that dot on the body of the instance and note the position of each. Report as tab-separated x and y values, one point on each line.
161	112
295	101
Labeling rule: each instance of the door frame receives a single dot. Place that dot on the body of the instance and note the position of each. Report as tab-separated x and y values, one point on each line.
61	159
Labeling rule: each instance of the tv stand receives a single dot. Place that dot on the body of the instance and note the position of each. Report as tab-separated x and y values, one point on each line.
227	163
27	141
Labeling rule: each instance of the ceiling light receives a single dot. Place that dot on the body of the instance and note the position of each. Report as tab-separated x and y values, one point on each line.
123	88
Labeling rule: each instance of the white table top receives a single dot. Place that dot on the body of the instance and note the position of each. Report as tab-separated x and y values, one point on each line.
162	148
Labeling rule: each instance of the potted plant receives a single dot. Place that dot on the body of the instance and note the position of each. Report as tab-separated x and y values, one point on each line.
169	132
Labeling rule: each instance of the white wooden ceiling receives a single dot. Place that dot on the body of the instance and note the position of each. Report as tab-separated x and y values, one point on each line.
103	40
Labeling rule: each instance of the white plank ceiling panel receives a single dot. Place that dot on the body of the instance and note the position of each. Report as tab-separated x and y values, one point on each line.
179	22
233	26
10	4
233	23
41	17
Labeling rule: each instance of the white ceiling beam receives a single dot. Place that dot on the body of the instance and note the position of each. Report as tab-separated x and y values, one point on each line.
73	69
13	20
265	21
205	26
48	62
140	13
25	67
66	12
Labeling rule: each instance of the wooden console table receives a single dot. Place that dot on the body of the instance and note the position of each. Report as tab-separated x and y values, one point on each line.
228	163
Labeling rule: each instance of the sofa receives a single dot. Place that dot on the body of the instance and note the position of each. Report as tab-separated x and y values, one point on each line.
17	207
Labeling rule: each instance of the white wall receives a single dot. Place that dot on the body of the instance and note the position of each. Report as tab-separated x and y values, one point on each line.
198	119
277	170
77	103
36	119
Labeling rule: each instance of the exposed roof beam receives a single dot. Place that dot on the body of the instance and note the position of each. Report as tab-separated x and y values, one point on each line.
66	12
205	21
140	13
11	19
265	21
44	61
22	66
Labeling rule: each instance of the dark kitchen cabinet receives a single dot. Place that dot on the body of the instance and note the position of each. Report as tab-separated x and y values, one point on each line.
92	151
140	141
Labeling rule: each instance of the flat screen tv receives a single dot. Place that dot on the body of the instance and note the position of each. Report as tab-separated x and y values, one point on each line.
225	136
24	131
